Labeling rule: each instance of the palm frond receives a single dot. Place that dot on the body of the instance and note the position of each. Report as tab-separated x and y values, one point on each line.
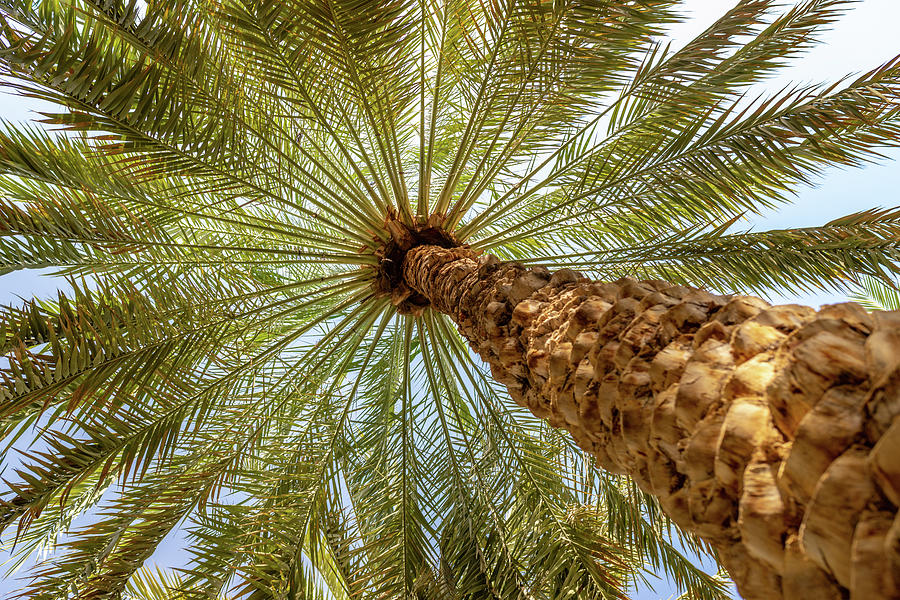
828	257
876	294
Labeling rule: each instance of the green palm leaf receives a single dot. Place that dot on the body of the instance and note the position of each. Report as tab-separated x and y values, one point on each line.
876	294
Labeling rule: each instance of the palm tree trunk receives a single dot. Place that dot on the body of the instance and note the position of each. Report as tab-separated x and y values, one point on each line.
769	431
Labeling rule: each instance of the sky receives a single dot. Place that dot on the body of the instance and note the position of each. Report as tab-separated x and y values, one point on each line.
862	40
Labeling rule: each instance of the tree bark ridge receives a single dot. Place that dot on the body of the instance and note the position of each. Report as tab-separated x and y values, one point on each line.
770	431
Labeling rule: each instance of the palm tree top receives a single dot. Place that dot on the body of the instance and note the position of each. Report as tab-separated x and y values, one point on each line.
232	185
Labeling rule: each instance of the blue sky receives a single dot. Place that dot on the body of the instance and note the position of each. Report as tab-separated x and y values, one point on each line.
862	40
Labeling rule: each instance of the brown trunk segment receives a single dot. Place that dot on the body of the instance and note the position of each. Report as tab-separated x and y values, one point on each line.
769	431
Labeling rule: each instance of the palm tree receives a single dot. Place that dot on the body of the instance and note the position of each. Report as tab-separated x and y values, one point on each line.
283	222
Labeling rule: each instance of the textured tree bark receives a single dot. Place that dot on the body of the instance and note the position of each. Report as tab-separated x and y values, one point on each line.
770	431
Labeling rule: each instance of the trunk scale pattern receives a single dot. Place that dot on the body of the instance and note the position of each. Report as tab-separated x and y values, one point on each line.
769	431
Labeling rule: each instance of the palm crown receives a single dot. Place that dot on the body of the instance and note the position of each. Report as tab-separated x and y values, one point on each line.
237	359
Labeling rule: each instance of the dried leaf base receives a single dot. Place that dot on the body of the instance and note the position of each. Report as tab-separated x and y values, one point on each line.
770	431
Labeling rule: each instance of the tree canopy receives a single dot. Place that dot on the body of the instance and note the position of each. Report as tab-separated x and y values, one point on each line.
219	184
